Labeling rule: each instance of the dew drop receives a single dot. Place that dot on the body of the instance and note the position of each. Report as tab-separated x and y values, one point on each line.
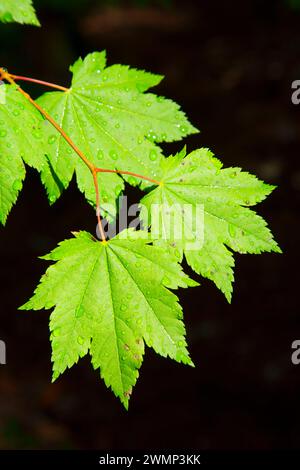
56	332
123	308
80	340
180	344
3	133
151	136
52	139
183	129
100	154
37	134
113	155
153	155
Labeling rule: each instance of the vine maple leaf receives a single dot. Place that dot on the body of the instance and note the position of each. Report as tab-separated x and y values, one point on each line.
198	180
20	11
113	122
111	298
21	140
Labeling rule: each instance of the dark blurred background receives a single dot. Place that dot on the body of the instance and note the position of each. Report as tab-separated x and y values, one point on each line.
230	65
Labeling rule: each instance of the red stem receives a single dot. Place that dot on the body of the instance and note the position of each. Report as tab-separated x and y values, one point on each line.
94	173
121	172
40	82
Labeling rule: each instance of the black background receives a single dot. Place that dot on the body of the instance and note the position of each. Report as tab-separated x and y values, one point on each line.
230	65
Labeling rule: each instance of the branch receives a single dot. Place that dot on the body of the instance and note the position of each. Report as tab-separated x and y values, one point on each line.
5	75
11	79
123	172
98	210
40	82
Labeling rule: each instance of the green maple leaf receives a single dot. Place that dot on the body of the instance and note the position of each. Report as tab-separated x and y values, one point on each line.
109	300
113	122
20	11
21	133
225	223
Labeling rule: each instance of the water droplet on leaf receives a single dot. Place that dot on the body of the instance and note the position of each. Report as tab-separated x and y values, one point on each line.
56	332
231	230
52	139
100	155
113	155
153	155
